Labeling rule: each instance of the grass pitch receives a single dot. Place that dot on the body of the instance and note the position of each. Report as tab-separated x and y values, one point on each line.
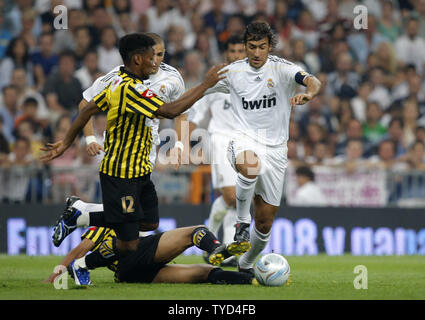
312	277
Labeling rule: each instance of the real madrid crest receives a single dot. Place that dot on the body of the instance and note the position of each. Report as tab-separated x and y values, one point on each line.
270	83
162	89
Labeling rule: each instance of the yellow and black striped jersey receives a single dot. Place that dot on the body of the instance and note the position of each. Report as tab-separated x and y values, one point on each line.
128	140
98	235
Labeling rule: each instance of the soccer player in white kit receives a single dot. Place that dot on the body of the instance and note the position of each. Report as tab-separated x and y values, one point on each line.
166	83
262	92
217	109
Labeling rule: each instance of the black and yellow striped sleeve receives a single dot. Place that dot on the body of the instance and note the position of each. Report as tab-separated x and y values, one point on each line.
95	234
101	100
145	103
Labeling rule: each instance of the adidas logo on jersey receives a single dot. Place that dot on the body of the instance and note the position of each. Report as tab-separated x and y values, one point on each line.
257	104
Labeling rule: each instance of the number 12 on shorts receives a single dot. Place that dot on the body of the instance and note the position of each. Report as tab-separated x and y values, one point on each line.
127	204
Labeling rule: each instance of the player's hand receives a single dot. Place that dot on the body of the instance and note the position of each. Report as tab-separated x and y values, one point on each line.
302	98
52	151
93	149
214	75
176	154
52	278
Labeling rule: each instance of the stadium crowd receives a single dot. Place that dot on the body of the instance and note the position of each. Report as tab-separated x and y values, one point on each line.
370	112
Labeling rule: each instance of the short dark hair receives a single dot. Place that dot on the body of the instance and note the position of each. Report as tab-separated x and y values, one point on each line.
305	171
30	101
234	39
396	119
258	30
133	43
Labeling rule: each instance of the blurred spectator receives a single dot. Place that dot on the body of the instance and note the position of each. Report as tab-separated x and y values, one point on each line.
386	58
9	111
63	90
410	118
15	17
359	102
235	26
389	26
409	47
194	69
28	32
379	93
181	15
89	72
176	50
83	43
395	133
420	10
4	144
65	38
416	156
27	129
207	48
307	60
308	193
317	112
5	36
366	40
216	18
321	154
109	56
296	137
16	177
19	81
17	55
306	30
157	18
44	59
385	157
420	133
373	130
354	131
99	20
314	133
343	82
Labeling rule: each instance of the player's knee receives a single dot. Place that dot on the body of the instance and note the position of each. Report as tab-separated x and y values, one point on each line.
248	164
264	225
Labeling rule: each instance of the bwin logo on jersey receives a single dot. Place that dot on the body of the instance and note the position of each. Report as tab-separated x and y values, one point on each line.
257	104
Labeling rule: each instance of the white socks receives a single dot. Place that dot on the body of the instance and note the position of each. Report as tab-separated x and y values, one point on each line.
218	212
258	243
80	263
229	222
244	192
85	209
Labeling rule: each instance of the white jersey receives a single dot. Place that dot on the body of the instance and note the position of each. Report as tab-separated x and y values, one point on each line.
260	98
167	84
214	109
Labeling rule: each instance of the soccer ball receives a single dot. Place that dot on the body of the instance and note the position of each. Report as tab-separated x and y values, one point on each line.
272	270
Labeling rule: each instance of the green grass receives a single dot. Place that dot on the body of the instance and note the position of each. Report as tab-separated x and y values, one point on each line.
316	277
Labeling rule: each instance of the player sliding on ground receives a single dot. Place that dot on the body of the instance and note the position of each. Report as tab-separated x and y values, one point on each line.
262	92
150	262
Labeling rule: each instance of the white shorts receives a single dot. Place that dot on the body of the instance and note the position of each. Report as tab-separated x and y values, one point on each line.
222	173
273	160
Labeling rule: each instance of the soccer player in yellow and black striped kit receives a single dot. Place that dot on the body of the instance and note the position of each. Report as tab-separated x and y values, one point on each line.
153	256
127	190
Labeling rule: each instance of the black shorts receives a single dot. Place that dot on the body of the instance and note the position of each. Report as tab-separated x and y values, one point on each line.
140	266
127	203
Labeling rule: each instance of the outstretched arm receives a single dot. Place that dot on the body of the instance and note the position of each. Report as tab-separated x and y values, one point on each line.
79	251
173	109
54	150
